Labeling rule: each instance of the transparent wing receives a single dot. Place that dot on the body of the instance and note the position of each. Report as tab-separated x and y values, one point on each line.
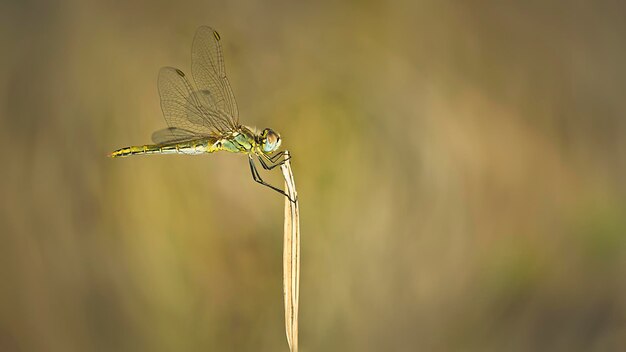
173	135
187	110
207	66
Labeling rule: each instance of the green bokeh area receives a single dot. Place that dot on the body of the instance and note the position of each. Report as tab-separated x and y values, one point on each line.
460	170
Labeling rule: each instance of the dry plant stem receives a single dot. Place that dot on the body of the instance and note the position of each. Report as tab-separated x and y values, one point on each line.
291	258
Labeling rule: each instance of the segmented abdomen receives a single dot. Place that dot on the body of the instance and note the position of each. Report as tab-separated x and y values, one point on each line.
187	148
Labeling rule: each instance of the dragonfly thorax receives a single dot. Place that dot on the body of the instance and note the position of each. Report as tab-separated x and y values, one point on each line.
269	140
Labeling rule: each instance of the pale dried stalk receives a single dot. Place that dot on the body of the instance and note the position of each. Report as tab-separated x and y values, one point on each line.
291	258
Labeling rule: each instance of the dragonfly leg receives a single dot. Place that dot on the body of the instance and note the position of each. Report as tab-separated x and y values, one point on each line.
265	164
278	155
257	178
270	162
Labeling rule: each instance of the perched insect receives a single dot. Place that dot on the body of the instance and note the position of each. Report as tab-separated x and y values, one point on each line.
206	120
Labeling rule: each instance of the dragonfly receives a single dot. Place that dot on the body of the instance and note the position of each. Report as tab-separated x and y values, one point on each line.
206	119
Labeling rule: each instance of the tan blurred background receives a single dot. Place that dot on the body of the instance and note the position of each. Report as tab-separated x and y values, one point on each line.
460	169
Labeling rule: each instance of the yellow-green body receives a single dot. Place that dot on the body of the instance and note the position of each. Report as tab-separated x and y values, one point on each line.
241	141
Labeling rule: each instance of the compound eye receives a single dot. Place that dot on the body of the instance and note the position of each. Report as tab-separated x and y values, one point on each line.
271	141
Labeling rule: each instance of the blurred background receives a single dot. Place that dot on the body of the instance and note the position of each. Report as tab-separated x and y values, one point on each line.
460	169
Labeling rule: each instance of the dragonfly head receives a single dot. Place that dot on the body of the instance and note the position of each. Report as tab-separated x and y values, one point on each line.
269	141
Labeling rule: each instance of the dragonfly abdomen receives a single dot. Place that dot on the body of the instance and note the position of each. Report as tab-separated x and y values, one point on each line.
187	148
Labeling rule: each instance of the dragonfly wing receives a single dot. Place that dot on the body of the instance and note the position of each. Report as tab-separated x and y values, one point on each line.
188	110
207	66
173	135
